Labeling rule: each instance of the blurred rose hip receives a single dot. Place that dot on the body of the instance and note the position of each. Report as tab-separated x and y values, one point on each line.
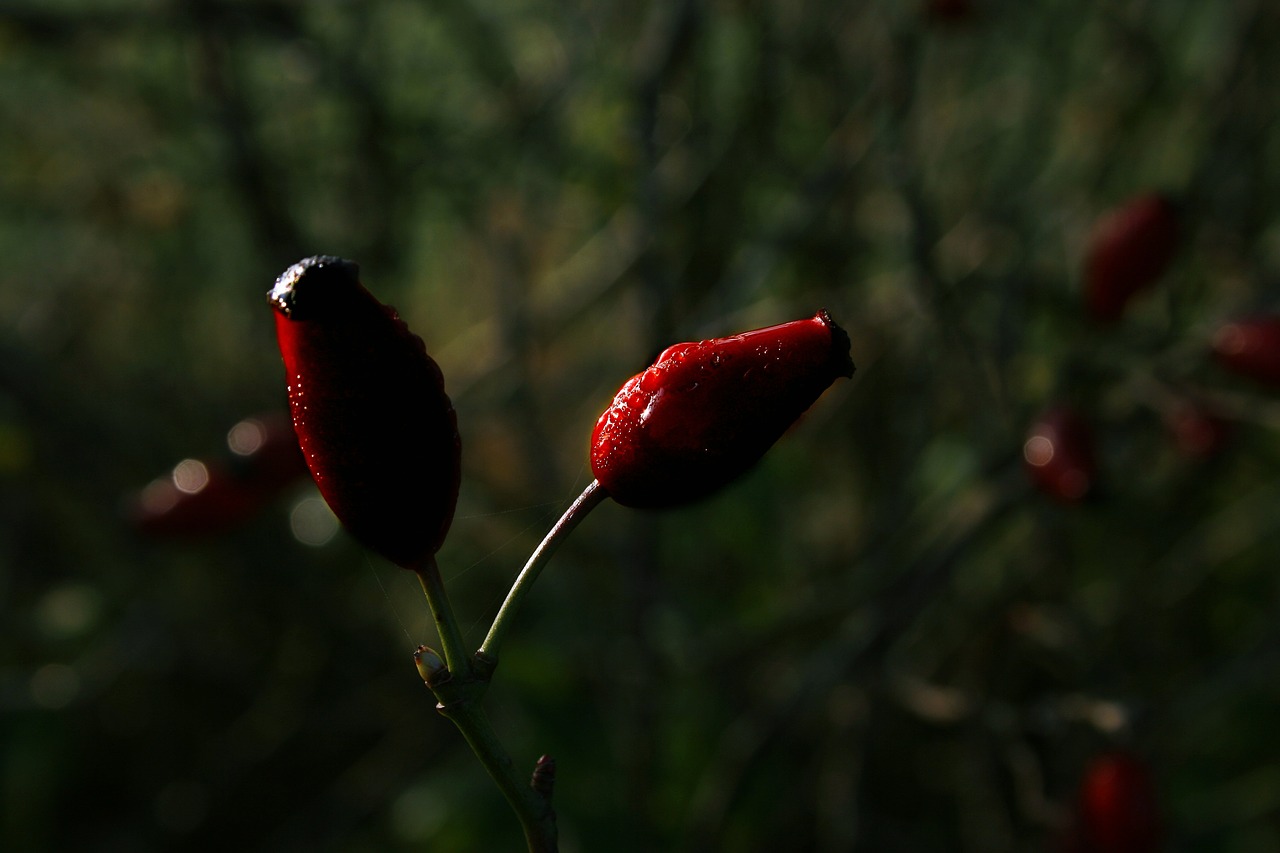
1116	809
1197	431
1130	248
369	408
1250	347
1059	455
208	498
704	413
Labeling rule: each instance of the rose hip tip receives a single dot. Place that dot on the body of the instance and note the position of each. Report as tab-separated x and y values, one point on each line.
289	287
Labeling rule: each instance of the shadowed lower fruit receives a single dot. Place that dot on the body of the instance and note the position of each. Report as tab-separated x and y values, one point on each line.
370	411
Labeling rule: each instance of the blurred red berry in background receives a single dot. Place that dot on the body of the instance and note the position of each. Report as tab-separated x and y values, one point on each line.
207	498
1130	248
1197	432
1250	347
1059	455
1116	809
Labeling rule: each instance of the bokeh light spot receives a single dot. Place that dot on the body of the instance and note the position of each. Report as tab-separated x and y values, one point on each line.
54	686
190	476
1038	451
312	522
246	437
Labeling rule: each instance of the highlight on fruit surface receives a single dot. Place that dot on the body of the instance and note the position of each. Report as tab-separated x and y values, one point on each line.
1059	455
1250	347
369	408
207	497
1116	810
1130	248
704	413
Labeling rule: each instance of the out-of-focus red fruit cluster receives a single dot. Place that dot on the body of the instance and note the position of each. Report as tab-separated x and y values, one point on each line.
1116	809
1250	347
1059	455
202	498
1131	247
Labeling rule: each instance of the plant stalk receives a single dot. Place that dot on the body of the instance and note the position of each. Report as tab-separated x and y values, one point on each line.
590	497
455	656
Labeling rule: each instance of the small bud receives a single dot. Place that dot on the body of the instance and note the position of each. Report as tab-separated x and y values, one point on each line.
430	665
370	411
704	413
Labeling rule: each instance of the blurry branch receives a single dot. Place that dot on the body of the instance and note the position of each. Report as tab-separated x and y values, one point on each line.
671	35
858	643
273	224
1225	186
903	166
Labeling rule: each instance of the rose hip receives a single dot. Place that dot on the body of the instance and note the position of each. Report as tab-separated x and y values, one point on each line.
370	411
704	413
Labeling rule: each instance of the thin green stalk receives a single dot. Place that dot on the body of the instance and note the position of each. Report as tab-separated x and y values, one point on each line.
592	495
460	703
455	656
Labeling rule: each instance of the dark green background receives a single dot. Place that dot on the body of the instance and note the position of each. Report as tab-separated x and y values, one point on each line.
880	640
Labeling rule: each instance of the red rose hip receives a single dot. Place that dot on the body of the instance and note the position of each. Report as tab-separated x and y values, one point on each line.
208	498
1250	347
704	413
1116	809
1131	247
370	411
1059	455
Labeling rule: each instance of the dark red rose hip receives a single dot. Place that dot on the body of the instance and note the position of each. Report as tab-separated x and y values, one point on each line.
1116	809
704	413
208	498
370	411
1059	455
1250	347
1129	250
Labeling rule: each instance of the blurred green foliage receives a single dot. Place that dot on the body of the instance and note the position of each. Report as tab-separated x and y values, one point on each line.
880	640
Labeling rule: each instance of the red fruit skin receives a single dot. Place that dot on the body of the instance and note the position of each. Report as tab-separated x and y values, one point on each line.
704	413
1116	808
1250	347
1059	455
233	492
1131	247
377	430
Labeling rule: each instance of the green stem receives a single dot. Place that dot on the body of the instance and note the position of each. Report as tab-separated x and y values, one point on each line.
461	704
455	656
592	495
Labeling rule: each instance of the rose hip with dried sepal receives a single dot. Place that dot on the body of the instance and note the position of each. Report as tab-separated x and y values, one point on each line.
377	430
1059	455
704	413
1130	248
